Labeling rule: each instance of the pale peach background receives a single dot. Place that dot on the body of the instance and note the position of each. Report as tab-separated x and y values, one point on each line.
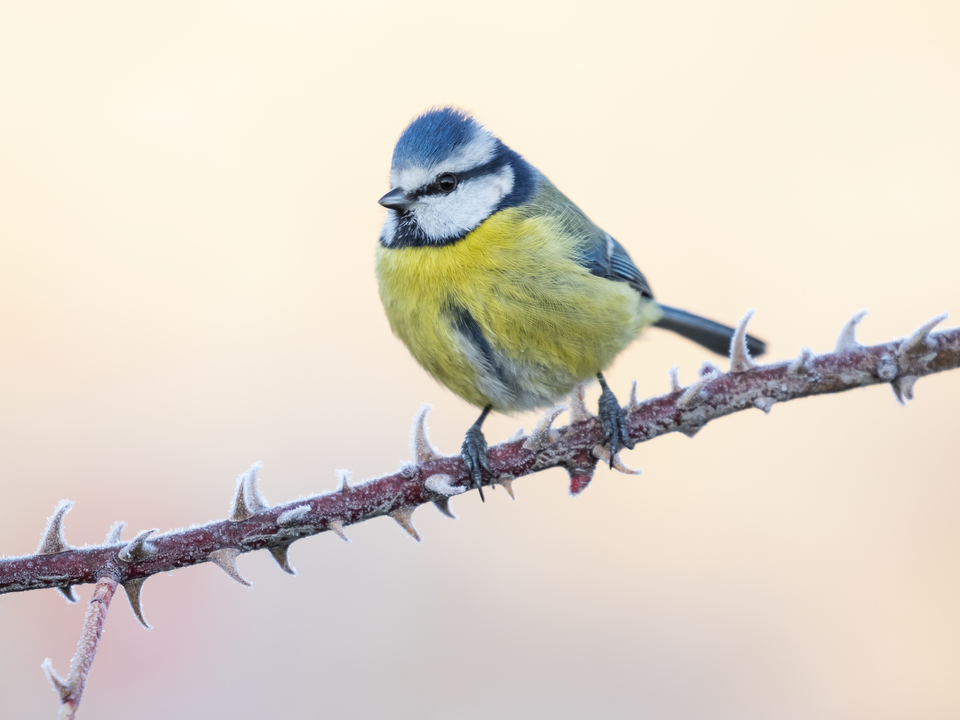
188	217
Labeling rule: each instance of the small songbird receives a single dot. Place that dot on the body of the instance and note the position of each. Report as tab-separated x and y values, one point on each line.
501	287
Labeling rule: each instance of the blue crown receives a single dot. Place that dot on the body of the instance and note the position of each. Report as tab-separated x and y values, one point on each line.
433	136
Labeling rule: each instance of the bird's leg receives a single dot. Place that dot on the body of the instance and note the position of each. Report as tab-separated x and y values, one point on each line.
474	451
612	421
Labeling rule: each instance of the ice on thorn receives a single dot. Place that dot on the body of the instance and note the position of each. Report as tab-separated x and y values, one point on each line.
848	335
53	540
918	342
279	553
138	549
675	385
443	505
602	453
764	403
442	484
903	388
578	407
293	516
343	480
60	686
68	593
542	434
691	396
403	516
247	499
632	403
420	445
517	435
113	535
226	560
800	364
134	590
336	526
740	360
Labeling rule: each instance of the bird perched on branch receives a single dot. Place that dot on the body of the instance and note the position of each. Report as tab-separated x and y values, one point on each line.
501	287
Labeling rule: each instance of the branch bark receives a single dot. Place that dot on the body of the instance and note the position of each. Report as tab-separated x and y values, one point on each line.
71	689
433	478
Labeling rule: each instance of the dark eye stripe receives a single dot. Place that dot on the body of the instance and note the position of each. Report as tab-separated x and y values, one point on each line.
486	169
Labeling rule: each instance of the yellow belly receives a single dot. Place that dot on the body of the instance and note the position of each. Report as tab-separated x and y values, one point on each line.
549	323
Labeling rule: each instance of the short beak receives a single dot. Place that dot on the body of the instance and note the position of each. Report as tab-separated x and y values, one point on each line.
396	199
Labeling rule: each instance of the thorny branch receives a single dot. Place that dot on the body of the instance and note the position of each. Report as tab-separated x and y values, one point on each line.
255	525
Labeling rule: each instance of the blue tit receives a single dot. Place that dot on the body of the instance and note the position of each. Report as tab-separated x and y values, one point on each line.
501	287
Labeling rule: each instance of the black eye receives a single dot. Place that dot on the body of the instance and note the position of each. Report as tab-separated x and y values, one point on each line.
447	182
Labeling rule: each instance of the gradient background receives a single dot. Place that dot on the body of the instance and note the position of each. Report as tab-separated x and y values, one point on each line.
188	218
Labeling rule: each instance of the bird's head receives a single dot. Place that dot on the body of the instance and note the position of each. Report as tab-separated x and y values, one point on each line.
449	174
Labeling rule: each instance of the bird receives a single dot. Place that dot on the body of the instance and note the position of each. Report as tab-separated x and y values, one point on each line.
502	288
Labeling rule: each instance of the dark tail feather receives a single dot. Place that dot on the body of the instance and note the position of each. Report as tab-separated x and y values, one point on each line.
713	336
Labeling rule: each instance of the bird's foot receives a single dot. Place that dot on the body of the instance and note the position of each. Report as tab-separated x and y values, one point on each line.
474	454
613	422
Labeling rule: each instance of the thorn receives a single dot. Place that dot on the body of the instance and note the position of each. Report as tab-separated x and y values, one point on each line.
68	593
60	686
507	483
443	505
800	365
903	388
918	343
848	335
675	385
579	483
541	434
691	396
343	480
53	540
293	516
708	368
403	516
279	553
420	445
256	502
691	432
133	589
138	549
113	535
441	485
740	360
226	560
517	435
337	527
578	408
764	403
602	453
247	500
632	403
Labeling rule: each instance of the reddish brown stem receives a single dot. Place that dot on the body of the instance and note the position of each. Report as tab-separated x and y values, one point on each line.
71	689
571	447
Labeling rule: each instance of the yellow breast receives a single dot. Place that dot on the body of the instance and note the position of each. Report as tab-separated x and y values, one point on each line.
546	323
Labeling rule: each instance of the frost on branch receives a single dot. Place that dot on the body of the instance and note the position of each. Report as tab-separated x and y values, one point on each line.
740	360
253	525
226	560
54	541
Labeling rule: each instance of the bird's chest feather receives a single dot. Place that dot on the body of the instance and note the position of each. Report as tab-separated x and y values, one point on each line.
506	315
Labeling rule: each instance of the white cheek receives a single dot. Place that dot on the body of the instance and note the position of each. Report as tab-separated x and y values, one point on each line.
445	216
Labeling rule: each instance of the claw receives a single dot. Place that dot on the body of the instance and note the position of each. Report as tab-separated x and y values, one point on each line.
613	422
474	454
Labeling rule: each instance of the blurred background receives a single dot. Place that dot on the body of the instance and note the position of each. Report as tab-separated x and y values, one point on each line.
188	218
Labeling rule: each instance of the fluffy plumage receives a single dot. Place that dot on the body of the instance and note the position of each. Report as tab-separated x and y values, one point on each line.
500	286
